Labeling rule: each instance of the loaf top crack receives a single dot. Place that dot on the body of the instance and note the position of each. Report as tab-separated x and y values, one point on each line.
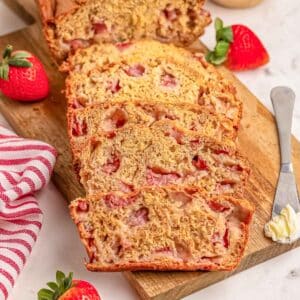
73	24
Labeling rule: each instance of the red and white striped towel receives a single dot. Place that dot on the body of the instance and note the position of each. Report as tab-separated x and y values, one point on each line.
25	167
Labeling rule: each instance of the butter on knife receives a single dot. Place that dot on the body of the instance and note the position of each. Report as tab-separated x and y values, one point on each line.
285	227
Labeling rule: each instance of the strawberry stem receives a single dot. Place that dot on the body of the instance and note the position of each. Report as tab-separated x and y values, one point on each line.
218	24
224	37
7	51
18	59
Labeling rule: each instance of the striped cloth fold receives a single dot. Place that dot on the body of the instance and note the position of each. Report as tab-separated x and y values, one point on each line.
25	167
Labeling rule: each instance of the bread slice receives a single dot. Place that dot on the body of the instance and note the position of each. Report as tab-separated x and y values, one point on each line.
174	228
163	154
108	117
72	24
148	71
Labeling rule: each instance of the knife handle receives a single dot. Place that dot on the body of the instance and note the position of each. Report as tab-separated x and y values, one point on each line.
283	100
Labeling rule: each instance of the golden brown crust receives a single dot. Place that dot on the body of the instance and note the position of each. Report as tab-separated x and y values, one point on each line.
52	9
156	266
47	9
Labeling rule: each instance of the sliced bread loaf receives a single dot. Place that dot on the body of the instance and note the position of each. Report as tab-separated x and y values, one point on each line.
163	154
172	228
73	24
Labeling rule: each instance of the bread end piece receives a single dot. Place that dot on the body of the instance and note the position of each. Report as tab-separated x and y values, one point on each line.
163	229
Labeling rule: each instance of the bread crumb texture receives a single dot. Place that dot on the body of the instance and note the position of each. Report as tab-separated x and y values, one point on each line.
70	25
162	228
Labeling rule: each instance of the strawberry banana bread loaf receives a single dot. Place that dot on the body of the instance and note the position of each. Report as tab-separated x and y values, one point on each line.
108	117
137	156
172	228
73	24
148	71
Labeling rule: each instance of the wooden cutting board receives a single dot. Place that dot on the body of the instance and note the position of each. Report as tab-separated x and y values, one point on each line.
257	141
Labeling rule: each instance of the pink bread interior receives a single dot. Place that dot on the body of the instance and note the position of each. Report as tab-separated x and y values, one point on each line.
172	228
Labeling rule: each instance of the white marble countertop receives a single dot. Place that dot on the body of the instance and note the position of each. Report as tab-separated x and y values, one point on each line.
277	22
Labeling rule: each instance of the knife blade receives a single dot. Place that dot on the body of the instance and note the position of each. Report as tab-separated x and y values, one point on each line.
283	100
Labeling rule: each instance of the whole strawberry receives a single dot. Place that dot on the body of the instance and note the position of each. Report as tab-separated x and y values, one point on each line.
22	76
238	47
65	288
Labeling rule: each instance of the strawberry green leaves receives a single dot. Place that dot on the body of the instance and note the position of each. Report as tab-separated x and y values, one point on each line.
45	294
58	288
4	69
224	37
17	59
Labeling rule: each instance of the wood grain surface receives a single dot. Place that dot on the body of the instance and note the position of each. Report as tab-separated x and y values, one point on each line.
257	141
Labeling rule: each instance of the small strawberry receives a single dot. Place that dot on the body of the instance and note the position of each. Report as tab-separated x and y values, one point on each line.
65	288
22	76
238	47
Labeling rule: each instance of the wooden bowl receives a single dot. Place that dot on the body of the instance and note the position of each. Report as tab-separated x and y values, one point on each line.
237	3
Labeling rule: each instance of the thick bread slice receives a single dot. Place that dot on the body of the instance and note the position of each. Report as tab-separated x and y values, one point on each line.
174	228
148	71
72	24
163	154
108	117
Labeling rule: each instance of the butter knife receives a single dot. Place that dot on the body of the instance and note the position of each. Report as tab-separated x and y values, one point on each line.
283	99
